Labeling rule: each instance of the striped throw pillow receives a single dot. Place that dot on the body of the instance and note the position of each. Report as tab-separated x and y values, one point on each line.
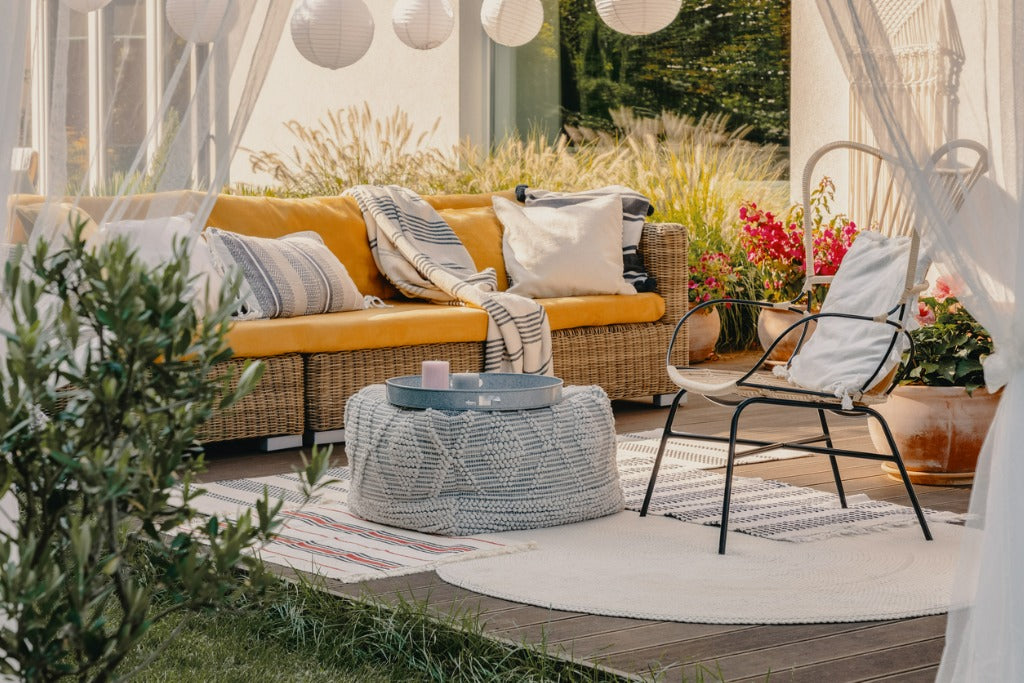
285	277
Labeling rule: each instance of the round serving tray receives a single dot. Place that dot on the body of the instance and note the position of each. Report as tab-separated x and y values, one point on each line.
496	391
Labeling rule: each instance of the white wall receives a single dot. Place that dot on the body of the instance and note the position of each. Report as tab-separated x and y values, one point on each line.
427	84
820	102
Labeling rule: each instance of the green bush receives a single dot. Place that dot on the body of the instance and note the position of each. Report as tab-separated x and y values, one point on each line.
105	382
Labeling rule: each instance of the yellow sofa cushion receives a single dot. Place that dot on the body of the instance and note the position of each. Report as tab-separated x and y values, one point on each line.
479	230
410	324
339	222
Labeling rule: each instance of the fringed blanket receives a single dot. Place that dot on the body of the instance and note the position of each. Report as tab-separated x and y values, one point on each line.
420	254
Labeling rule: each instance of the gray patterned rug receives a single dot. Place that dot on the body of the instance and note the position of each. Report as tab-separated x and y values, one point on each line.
763	508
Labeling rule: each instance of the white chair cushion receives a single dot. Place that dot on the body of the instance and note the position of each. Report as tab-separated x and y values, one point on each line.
843	354
153	240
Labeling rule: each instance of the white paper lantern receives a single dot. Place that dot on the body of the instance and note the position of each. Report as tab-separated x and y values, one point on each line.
201	21
332	33
423	24
638	17
512	22
84	6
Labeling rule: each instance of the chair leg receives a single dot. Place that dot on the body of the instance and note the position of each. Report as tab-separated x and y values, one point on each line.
832	459
903	473
665	435
729	468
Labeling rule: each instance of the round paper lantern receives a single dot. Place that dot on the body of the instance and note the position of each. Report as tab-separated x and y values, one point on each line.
512	22
423	24
84	6
332	33
638	17
201	21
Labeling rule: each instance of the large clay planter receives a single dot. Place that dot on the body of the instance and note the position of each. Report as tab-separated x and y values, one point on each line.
704	328
772	322
939	431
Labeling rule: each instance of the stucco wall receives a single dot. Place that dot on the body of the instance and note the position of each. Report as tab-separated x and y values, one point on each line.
427	84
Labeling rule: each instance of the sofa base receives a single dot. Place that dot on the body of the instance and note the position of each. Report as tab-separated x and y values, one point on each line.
274	407
325	437
268	444
665	400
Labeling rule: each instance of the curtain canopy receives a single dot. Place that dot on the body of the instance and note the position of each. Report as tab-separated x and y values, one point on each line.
981	248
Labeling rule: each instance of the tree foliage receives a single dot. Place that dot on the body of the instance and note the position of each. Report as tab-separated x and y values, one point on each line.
718	57
105	381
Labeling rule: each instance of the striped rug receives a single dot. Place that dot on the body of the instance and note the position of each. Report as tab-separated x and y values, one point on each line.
325	538
763	508
694	454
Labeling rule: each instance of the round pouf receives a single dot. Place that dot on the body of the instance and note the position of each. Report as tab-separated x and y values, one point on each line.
469	472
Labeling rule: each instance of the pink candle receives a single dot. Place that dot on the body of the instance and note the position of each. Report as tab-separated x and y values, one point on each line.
434	374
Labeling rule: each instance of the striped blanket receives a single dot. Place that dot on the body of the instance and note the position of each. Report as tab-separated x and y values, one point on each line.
420	254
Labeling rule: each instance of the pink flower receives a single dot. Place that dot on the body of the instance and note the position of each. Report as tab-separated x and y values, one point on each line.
944	289
925	315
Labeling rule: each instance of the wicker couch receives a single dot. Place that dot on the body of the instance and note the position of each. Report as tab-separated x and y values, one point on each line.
312	366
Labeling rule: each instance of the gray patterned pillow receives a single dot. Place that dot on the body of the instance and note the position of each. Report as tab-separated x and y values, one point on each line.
285	277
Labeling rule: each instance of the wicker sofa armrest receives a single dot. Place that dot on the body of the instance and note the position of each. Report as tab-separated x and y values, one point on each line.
665	247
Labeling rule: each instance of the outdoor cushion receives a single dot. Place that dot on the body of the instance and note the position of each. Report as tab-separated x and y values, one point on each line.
285	277
480	232
565	251
843	354
339	222
411	323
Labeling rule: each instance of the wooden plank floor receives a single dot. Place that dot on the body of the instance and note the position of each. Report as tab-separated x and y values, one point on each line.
905	650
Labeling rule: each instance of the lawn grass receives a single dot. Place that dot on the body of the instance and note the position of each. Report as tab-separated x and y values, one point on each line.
297	632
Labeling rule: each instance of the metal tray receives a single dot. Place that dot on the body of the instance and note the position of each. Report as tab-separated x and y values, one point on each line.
495	391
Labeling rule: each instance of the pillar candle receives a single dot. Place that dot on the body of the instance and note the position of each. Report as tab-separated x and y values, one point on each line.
434	374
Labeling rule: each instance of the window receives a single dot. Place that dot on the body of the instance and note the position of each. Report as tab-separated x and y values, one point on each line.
117	67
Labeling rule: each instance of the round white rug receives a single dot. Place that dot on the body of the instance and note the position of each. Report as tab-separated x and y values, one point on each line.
664	569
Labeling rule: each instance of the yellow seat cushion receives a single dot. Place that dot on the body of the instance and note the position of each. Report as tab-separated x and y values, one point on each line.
410	324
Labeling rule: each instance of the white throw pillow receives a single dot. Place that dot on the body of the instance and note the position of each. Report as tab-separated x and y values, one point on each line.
565	251
842	354
154	239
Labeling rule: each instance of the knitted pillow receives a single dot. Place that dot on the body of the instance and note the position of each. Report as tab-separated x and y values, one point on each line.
285	277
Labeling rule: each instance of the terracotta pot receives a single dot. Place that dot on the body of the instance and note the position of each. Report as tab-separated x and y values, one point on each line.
704	328
939	431
771	323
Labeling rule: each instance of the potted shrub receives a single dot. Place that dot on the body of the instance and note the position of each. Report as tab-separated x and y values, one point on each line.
776	246
940	413
712	276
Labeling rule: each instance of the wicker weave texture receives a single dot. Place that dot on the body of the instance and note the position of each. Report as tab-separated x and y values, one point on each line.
332	378
626	361
274	407
664	247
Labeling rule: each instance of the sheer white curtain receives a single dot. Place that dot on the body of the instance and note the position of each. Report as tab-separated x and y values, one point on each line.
129	118
983	247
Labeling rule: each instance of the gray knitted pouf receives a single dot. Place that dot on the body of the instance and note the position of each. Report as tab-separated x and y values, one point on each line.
468	472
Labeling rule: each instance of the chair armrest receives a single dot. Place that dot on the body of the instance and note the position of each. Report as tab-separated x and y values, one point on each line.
665	250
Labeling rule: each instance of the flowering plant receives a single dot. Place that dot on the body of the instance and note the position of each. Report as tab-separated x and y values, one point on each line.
950	344
712	277
776	245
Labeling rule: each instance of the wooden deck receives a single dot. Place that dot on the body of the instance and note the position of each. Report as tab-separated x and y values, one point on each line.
905	650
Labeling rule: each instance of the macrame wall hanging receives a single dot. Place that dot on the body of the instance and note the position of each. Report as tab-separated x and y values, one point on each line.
929	58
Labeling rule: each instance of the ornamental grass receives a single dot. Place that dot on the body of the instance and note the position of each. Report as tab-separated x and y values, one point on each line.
695	171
